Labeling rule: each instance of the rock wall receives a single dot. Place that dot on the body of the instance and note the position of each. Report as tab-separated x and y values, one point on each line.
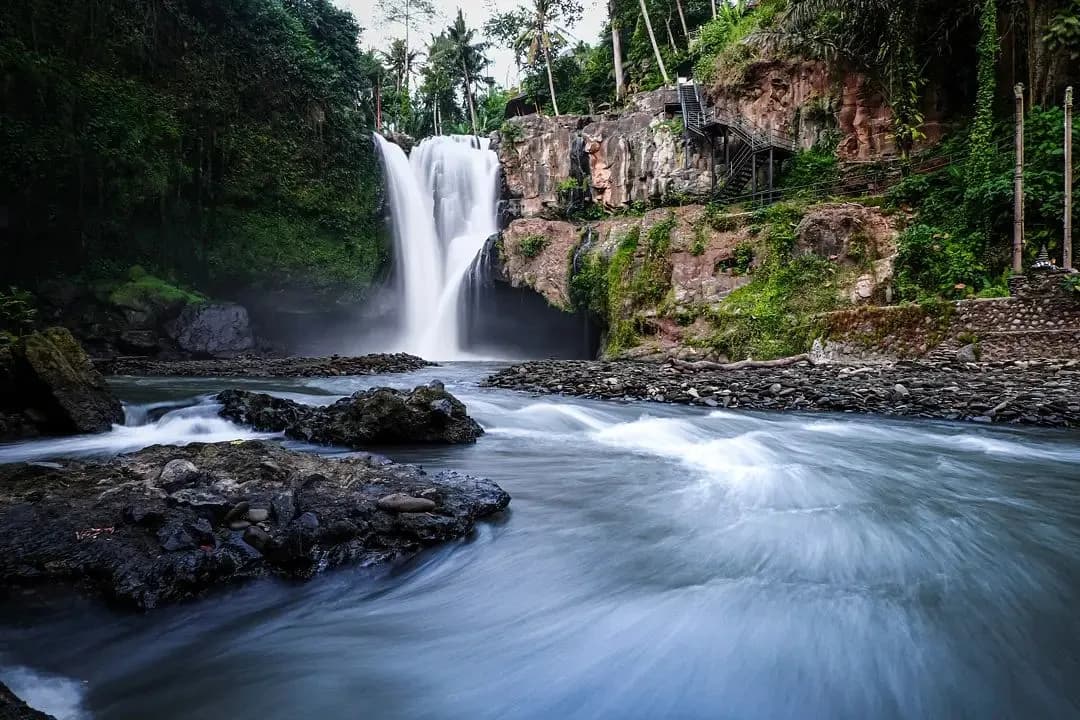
808	99
702	263
1042	320
635	157
700	255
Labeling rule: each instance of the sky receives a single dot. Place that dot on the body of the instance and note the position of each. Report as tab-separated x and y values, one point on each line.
377	35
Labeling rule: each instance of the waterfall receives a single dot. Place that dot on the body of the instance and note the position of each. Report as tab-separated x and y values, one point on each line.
443	204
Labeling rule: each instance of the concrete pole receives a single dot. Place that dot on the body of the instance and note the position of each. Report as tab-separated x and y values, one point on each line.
1018	185
1067	248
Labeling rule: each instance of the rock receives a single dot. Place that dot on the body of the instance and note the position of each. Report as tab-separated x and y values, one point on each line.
257	538
212	329
239	511
968	354
49	386
74	526
404	503
1038	393
382	416
258	515
308	521
176	474
12	708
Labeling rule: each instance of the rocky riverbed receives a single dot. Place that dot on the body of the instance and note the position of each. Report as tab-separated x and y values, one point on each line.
1036	393
253	366
167	523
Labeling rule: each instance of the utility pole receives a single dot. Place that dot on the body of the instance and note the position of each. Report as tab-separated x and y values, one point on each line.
1067	247
1018	185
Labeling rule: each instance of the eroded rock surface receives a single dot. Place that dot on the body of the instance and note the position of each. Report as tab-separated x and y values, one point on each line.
379	416
217	329
49	386
12	708
143	536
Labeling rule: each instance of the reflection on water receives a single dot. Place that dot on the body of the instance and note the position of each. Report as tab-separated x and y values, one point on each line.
658	562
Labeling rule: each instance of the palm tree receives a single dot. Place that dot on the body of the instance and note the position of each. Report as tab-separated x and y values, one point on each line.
652	39
541	38
468	56
400	61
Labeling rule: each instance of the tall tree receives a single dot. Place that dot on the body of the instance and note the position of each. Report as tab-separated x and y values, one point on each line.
652	40
616	50
469	58
406	13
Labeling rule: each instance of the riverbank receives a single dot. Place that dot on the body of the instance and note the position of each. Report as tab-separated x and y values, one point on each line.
252	366
1041	393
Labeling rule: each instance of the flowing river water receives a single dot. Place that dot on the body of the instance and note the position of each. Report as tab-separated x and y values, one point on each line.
656	562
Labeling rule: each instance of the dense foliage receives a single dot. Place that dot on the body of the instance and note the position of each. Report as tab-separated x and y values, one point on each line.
218	141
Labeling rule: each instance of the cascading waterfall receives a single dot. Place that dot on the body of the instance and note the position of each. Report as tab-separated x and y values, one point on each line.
443	203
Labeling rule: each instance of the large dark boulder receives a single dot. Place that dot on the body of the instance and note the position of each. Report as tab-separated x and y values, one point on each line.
12	708
213	329
49	386
380	416
166	523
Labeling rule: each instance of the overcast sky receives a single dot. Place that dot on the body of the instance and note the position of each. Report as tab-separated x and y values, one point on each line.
376	35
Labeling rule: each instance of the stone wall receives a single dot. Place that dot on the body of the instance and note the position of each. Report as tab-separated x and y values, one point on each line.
1042	320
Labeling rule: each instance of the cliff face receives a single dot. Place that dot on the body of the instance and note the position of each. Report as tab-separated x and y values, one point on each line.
664	272
807	98
636	157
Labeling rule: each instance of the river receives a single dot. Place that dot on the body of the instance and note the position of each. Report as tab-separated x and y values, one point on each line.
656	562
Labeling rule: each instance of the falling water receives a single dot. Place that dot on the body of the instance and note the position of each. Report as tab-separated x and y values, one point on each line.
443	205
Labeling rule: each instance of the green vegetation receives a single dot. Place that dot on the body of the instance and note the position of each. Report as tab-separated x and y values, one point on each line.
616	290
775	315
143	290
533	245
221	142
17	313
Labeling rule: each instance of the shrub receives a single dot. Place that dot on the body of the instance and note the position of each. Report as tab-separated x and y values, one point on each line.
533	245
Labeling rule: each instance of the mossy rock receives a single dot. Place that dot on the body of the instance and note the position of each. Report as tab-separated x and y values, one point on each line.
48	377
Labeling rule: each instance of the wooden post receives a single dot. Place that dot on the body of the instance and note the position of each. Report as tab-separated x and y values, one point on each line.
1018	185
1067	245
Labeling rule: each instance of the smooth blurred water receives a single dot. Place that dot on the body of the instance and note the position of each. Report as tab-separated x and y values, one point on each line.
657	562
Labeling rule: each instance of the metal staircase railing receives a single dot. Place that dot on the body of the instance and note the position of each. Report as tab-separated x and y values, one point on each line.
752	139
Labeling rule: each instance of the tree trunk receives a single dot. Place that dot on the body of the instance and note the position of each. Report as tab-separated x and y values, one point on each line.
682	21
616	51
1018	186
652	39
1067	244
469	98
670	35
713	9
551	79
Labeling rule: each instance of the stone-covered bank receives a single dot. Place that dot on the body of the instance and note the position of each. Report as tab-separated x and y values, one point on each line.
1043	393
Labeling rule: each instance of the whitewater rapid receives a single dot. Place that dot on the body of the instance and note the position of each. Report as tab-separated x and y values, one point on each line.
656	561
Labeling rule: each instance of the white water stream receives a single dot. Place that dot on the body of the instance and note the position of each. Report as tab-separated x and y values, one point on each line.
443	202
